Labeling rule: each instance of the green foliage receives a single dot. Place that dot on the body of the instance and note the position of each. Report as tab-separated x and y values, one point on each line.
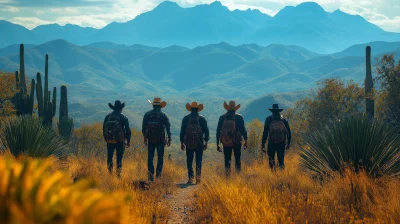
26	135
355	141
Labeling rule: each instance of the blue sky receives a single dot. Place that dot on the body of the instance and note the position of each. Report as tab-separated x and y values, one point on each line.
98	13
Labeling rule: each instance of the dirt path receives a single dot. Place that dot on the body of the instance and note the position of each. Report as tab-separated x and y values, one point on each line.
182	203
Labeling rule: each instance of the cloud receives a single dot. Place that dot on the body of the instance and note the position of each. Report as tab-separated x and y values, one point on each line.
29	22
54	3
9	9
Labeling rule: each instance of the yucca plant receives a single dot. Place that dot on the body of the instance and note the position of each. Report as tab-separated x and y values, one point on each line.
31	193
354	142
26	135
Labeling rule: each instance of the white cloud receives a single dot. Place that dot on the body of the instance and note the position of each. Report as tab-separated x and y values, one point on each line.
10	9
29	22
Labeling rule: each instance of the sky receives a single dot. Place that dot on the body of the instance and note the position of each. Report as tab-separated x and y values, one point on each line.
99	13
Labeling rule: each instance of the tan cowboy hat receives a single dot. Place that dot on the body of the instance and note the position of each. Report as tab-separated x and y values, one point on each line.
199	107
158	102
231	105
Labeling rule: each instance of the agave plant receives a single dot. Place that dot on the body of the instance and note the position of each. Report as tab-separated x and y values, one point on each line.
355	142
26	135
31	193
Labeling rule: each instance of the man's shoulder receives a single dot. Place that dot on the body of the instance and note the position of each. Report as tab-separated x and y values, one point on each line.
238	116
123	115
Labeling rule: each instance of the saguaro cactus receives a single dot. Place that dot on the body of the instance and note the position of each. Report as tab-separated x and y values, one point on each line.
22	68
66	124
39	95
369	85
46	78
24	102
47	108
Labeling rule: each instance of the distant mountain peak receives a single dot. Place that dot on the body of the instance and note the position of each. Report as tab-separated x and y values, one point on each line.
168	5
305	10
310	6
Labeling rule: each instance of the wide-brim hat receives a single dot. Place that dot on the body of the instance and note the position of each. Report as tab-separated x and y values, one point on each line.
194	105
275	108
158	102
117	105
231	106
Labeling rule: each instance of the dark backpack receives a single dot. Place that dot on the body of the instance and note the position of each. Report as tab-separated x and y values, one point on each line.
113	132
229	134
155	128
277	131
194	134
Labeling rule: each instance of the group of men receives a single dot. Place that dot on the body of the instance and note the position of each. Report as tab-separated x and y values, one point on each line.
194	136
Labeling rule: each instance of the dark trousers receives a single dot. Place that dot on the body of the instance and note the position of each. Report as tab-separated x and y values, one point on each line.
119	147
237	150
150	157
189	161
279	149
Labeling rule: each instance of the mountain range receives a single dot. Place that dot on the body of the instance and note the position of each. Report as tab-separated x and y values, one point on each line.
99	73
307	25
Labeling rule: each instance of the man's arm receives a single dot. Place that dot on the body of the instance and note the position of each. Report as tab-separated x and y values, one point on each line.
104	125
204	128
218	135
289	134
167	126
144	125
265	132
183	129
128	132
242	128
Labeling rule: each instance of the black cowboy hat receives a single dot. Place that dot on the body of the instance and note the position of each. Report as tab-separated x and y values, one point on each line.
117	105
275	108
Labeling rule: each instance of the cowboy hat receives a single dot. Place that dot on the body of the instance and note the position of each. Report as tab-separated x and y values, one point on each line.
275	108
195	105
231	106
117	105
158	102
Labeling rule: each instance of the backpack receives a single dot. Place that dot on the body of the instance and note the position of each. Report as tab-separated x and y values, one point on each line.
155	128
229	134
194	134
113	132
277	131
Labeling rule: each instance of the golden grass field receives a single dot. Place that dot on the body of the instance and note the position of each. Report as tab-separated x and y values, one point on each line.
256	195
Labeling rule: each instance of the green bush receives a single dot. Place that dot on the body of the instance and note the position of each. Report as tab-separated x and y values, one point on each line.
354	142
26	135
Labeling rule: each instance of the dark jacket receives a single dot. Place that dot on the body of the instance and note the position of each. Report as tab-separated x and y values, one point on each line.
267	124
240	125
165	121
124	123
202	123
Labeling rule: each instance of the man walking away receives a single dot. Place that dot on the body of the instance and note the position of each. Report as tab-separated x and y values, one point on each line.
277	131
155	123
194	137
230	131
115	131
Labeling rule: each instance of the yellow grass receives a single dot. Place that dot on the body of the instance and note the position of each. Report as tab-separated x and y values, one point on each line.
259	195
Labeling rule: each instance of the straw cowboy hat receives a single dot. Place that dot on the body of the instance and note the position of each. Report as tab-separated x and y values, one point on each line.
199	107
117	105
231	106
275	108
158	102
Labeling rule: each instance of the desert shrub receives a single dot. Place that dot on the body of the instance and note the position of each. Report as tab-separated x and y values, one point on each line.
89	142
355	141
7	94
26	135
255	130
31	193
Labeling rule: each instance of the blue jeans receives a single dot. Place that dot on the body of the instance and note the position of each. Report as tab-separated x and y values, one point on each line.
119	147
279	149
150	157
189	161
237	150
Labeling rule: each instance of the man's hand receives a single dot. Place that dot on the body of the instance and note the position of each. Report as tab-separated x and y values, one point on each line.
169	142
287	147
219	148
263	149
183	146
205	146
128	145
245	145
145	142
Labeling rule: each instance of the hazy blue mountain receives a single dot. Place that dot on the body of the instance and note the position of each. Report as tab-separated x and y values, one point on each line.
12	49
306	25
309	26
379	47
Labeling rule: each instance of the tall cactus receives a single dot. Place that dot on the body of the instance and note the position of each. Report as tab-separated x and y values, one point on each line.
45	107
22	68
39	95
369	85
46	78
23	101
66	124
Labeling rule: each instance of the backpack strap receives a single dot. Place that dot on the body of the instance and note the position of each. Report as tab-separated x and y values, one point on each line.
190	121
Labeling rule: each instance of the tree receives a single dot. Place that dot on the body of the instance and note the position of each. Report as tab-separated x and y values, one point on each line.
7	93
388	75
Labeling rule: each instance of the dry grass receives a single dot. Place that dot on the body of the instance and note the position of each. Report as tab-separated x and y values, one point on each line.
259	195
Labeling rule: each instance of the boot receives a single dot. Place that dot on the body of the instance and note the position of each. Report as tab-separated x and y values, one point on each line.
198	180
190	181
